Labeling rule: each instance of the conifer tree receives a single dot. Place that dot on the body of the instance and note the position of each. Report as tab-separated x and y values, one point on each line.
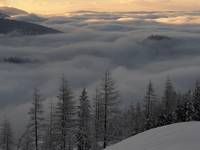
167	114
132	115
169	97
65	115
196	101
49	138
84	124
98	120
6	136
25	141
189	111
150	99
110	102
138	119
128	121
185	109
36	123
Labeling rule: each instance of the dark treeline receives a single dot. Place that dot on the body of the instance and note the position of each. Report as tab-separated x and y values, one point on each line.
97	122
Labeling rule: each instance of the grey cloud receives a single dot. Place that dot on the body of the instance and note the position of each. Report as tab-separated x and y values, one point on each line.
86	50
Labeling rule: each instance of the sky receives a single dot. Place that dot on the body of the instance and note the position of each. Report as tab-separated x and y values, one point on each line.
62	6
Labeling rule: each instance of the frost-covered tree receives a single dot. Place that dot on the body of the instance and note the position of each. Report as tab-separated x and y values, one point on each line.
25	141
6	136
133	120
169	98
98	121
167	114
110	103
129	117
36	122
65	117
149	103
185	111
138	118
84	124
49	137
196	101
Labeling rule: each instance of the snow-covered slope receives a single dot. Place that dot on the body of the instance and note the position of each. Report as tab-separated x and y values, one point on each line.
181	136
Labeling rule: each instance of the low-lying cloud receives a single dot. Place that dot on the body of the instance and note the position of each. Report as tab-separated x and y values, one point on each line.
93	42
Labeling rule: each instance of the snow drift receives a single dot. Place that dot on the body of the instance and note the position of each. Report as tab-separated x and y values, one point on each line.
180	136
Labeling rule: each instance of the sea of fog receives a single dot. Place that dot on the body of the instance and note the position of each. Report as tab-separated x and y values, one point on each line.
90	44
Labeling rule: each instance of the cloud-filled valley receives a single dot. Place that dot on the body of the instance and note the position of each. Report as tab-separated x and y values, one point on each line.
93	42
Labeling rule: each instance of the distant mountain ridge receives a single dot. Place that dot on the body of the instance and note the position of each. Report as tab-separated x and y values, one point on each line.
12	11
157	37
8	26
18	60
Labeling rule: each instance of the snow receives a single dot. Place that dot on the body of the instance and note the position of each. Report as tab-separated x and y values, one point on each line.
180	136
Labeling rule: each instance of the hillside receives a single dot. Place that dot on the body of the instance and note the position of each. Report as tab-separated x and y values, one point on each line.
12	11
2	15
23	28
181	136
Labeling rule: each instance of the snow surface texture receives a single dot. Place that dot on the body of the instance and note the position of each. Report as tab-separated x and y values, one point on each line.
181	136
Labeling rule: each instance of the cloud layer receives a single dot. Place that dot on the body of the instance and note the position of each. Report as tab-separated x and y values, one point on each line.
93	42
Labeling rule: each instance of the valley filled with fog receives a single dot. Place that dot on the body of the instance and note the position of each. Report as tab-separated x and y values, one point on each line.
136	47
